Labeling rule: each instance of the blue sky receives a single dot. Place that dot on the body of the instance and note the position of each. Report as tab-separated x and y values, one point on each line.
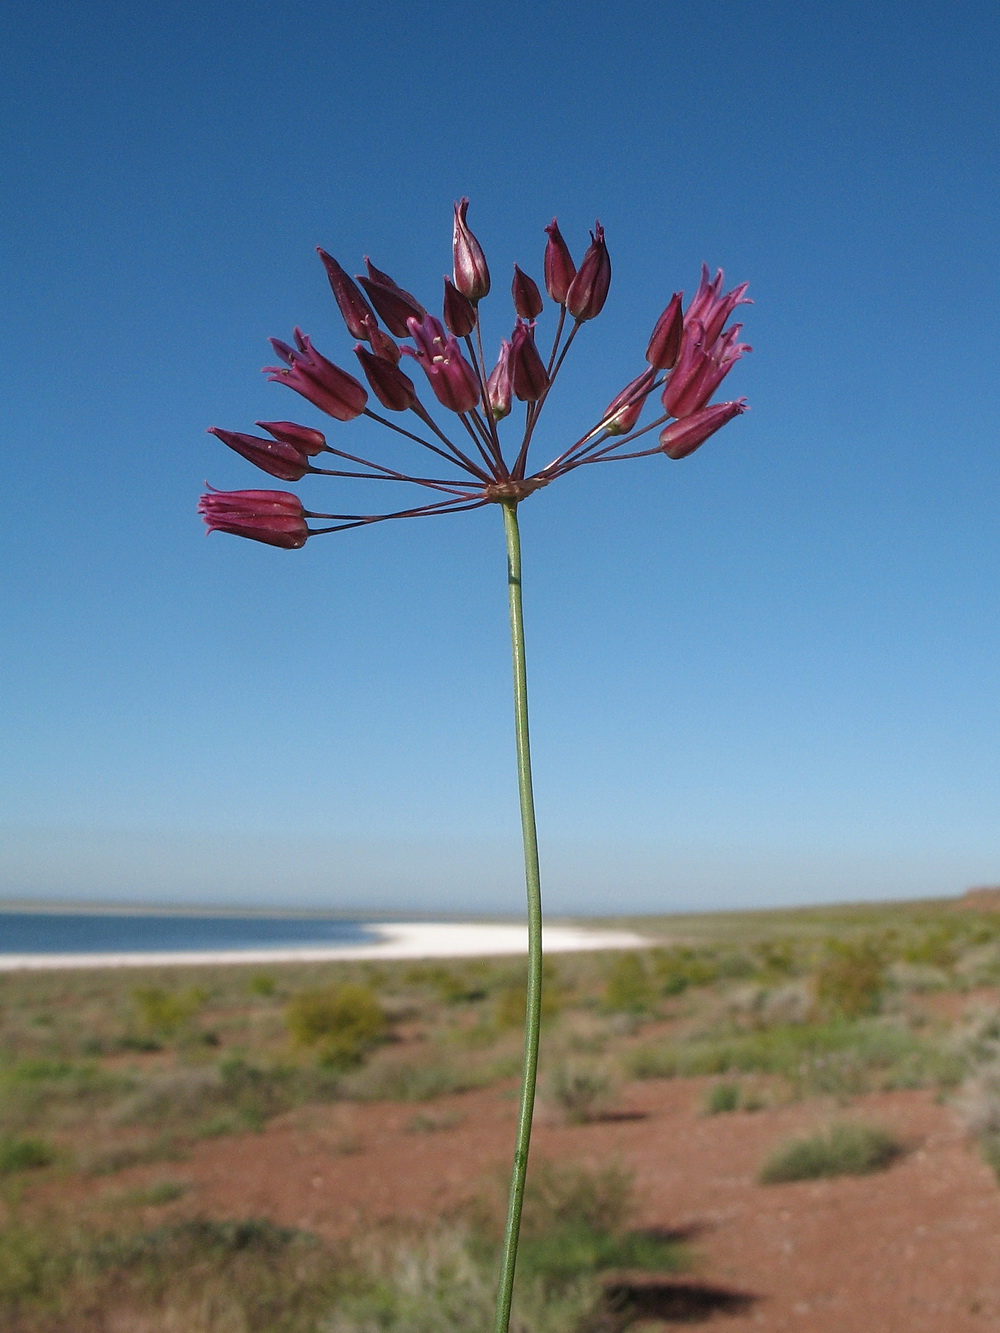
765	674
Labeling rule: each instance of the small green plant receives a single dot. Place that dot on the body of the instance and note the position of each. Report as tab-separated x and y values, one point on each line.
157	1194
450	986
263	984
581	1090
17	1154
431	1122
850	980
989	1146
845	1149
722	1098
628	989
340	1023
678	966
163	1013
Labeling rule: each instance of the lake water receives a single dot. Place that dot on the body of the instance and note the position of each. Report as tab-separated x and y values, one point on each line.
100	932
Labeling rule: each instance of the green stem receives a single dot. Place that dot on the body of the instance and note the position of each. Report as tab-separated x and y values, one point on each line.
533	1006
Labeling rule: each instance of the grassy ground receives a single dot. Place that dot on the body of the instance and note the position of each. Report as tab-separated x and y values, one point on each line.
103	1070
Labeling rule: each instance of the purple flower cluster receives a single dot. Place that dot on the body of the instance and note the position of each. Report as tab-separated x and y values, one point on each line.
689	354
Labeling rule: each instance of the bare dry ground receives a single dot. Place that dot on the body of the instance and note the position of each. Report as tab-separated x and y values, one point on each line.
915	1248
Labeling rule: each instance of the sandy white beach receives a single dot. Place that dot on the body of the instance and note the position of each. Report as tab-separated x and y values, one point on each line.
417	939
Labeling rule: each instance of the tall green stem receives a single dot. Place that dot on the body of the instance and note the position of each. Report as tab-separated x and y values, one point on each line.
533	1006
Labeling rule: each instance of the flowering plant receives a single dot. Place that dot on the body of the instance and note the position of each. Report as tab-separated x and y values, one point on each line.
689	354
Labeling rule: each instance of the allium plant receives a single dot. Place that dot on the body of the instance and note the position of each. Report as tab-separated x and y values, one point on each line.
689	354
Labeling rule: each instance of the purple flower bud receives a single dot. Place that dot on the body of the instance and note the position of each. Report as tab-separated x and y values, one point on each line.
472	277
710	307
527	297
625	408
559	267
353	306
589	289
390	386
331	389
274	517
498	384
274	456
303	438
665	342
453	380
700	368
382	345
394	305
459	312
527	372
683	437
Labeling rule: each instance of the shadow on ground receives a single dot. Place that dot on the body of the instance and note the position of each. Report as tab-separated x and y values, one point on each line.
628	1299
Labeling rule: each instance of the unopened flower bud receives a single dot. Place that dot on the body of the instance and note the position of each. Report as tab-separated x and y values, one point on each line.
559	267
527	298
527	372
390	386
498	387
381	344
665	342
274	517
303	438
394	305
589	289
459	312
353	306
681	438
274	456
471	275
625	408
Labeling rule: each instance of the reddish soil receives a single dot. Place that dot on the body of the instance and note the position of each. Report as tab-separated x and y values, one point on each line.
914	1249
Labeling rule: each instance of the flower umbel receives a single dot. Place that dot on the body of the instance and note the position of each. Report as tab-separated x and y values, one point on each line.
689	354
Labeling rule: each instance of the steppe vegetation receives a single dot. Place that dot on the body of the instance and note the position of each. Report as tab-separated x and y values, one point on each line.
105	1071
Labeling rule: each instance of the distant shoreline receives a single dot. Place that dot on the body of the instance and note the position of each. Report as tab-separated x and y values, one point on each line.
398	940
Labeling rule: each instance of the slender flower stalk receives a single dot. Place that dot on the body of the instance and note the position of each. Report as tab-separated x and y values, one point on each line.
688	355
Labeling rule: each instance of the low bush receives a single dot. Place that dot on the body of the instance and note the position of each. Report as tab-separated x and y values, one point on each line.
340	1023
722	1098
22	1154
581	1091
845	1149
839	1058
851	978
163	1013
199	1275
628	989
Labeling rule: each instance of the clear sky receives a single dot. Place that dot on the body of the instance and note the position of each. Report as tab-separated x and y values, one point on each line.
768	673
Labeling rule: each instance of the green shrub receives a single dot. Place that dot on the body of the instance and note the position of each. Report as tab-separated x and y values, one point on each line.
677	967
838	1058
17	1154
262	984
628	989
509	1002
989	1145
850	980
340	1023
450	986
722	1098
581	1090
163	1012
845	1149
394	1080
